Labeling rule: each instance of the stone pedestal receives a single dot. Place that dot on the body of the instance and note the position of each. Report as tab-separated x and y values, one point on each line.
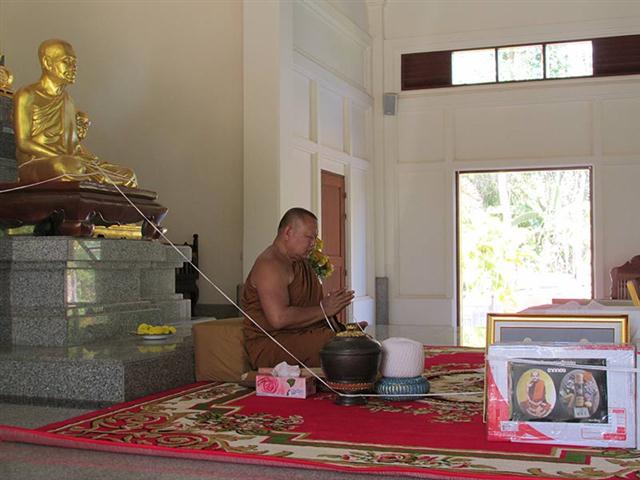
69	308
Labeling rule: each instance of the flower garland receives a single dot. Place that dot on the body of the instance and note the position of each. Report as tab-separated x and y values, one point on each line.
319	261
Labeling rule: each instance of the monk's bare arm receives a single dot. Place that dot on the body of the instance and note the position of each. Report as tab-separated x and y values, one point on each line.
271	279
23	125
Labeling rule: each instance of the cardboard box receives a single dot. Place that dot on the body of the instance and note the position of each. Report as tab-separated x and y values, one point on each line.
572	394
292	387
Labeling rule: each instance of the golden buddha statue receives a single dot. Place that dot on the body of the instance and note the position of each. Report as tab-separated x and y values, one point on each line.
46	127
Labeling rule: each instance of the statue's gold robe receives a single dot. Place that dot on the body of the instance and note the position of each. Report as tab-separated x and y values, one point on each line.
53	126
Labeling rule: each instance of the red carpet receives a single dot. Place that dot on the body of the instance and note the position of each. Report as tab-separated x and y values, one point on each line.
437	437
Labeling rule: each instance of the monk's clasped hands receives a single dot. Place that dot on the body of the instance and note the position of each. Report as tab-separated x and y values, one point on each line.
335	301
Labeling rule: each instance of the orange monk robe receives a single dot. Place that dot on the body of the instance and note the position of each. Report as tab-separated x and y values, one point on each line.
537	392
305	343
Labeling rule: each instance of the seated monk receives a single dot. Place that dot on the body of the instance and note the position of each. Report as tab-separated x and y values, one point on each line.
282	293
46	133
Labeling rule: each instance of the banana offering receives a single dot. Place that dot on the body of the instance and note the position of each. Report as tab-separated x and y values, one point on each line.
146	329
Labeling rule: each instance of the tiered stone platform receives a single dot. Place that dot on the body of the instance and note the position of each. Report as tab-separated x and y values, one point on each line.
69	308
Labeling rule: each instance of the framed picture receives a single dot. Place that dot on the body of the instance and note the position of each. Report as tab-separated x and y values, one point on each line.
545	328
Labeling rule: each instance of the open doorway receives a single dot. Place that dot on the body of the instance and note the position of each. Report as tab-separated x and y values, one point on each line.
524	238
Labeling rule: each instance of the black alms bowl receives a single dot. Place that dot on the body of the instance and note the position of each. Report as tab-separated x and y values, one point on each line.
350	362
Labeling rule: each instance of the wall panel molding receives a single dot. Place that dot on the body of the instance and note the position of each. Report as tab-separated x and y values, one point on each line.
332	16
426	126
302	105
523	131
528	93
619	126
326	152
421	236
329	38
331	119
329	78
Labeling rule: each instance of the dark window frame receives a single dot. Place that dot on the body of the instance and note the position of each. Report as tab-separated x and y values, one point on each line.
611	56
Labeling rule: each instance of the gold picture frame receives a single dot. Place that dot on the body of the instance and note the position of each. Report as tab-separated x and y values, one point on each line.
543	328
546	327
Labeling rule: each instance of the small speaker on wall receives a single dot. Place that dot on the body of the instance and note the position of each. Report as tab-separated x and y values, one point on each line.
390	103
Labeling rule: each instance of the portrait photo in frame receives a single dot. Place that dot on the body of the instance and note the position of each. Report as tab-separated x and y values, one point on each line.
545	328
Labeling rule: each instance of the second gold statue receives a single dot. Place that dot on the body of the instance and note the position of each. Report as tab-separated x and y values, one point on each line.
46	127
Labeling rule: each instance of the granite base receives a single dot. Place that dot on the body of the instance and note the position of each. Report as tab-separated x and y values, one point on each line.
69	310
96	374
64	291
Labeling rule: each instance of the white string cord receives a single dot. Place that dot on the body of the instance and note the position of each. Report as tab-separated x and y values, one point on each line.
323	312
577	365
28	185
326	318
219	290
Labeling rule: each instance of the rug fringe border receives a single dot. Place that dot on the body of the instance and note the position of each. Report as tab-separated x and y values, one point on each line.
37	437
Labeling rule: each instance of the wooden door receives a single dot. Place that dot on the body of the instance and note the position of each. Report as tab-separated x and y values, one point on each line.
333	231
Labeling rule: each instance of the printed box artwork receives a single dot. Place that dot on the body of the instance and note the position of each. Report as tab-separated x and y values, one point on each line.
562	394
292	387
558	394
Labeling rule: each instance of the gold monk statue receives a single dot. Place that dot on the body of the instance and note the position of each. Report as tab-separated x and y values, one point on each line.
48	130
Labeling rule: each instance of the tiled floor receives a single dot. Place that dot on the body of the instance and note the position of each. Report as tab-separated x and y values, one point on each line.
30	462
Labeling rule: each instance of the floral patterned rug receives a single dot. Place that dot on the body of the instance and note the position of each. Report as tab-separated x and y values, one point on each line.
439	437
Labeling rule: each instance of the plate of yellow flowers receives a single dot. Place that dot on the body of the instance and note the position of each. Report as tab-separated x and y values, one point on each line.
155	332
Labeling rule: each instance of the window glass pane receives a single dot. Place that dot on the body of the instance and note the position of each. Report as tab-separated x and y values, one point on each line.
520	63
525	237
473	66
571	59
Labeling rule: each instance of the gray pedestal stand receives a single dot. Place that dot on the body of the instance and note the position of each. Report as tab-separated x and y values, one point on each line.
69	308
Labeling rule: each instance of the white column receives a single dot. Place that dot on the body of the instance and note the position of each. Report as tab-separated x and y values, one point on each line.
267	70
376	29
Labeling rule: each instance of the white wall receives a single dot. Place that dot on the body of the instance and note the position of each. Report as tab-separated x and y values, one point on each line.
410	18
320	121
441	131
162	83
266	60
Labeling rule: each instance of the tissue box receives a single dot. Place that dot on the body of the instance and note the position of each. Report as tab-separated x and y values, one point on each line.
293	387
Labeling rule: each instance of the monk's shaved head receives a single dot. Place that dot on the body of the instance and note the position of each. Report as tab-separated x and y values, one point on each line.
295	214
